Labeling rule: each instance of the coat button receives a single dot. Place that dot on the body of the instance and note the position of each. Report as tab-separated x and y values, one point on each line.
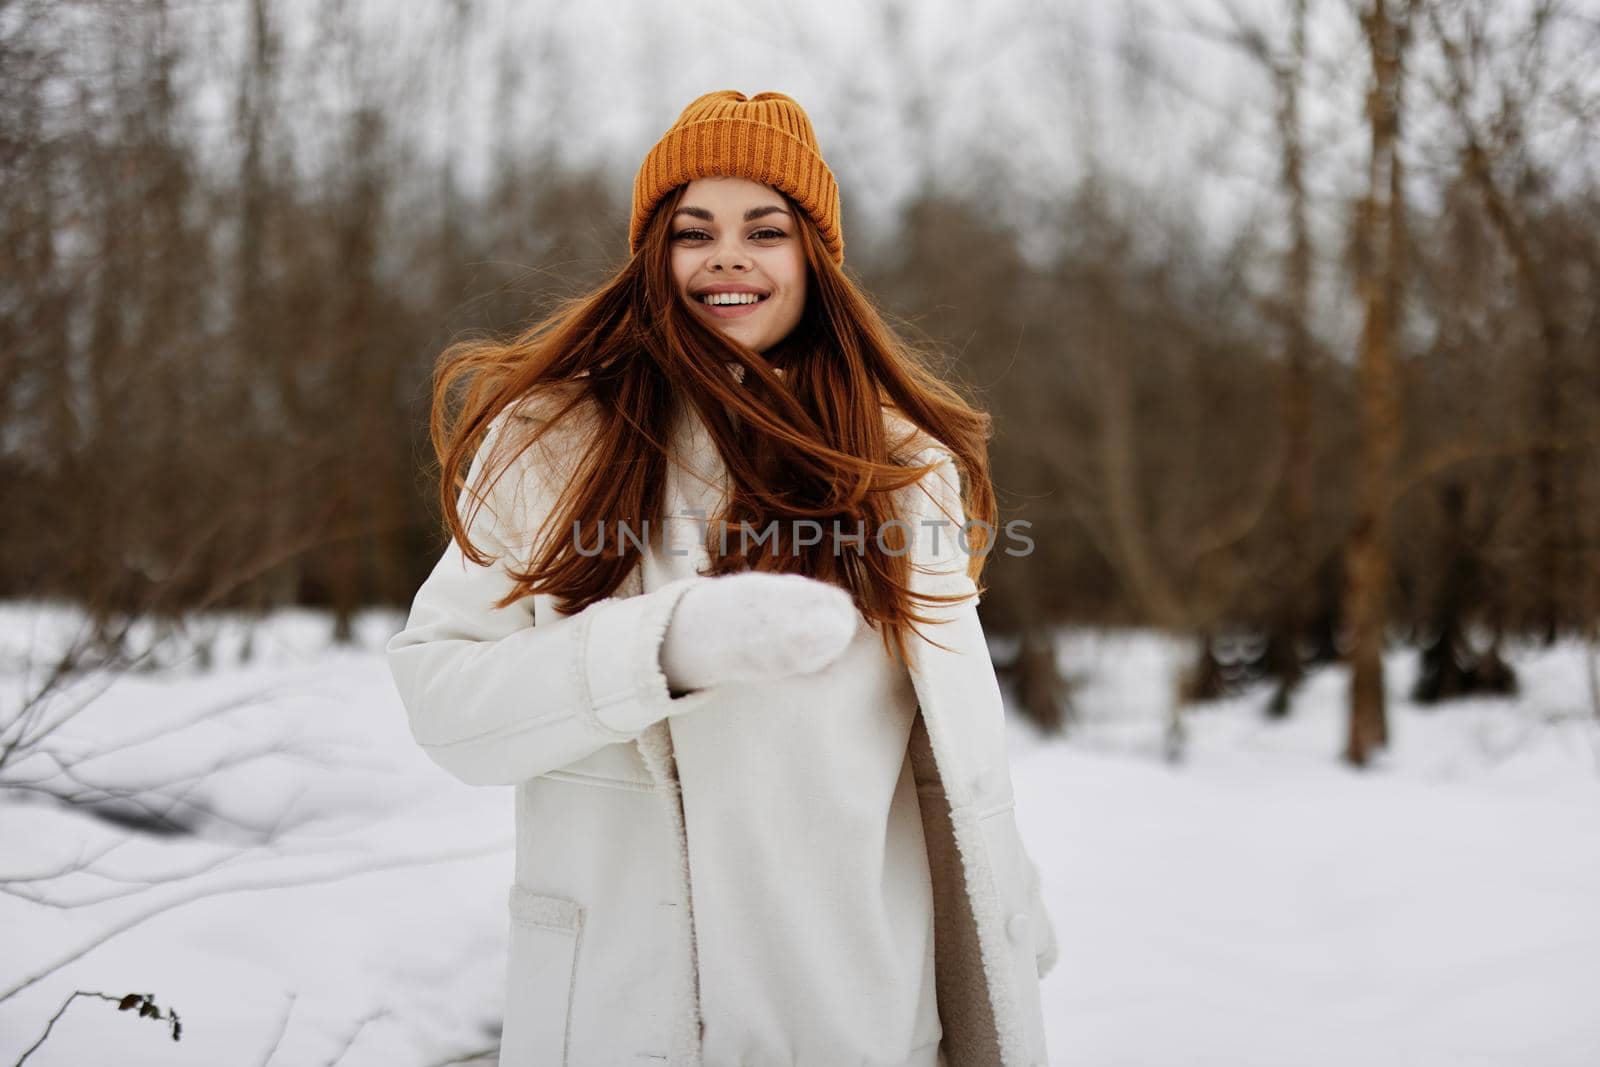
1017	928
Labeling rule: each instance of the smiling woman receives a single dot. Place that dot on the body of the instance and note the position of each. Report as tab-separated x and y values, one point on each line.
761	817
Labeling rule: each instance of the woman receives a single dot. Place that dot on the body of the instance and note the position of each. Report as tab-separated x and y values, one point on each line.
762	817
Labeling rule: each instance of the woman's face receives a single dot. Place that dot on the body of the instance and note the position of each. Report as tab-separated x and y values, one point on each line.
735	236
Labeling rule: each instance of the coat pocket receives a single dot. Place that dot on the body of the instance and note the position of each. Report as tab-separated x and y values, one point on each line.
541	970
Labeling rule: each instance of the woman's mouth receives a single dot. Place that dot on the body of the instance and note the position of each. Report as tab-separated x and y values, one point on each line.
730	305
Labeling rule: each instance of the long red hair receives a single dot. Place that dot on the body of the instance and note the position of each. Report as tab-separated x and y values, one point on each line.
811	443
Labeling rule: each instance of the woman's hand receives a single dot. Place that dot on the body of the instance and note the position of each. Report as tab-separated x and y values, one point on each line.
753	627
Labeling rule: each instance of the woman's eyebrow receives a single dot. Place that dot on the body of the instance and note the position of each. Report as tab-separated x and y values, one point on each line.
753	213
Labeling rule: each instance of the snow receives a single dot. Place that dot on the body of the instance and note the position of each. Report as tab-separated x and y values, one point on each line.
341	899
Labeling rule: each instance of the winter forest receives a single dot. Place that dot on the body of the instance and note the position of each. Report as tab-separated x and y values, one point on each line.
1287	313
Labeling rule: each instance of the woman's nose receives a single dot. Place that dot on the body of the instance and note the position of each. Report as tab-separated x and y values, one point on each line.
726	257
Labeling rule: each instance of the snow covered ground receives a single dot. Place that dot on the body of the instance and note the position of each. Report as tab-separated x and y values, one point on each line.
342	899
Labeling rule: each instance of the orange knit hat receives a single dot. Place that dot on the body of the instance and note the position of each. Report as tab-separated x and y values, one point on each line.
766	138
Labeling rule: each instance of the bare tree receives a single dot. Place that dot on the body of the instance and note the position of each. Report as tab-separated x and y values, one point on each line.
1380	244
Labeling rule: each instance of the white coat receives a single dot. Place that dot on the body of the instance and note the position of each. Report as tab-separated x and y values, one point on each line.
574	712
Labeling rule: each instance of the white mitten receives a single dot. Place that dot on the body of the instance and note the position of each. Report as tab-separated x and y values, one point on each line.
752	627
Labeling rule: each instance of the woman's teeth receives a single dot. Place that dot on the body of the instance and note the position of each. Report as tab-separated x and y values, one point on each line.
731	298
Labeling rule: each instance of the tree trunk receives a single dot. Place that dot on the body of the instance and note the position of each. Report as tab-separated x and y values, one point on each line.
1379	242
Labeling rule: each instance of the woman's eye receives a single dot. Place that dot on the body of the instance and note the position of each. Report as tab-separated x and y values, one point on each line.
688	234
768	232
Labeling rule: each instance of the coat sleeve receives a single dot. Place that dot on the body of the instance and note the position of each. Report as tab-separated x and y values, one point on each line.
494	699
941	506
